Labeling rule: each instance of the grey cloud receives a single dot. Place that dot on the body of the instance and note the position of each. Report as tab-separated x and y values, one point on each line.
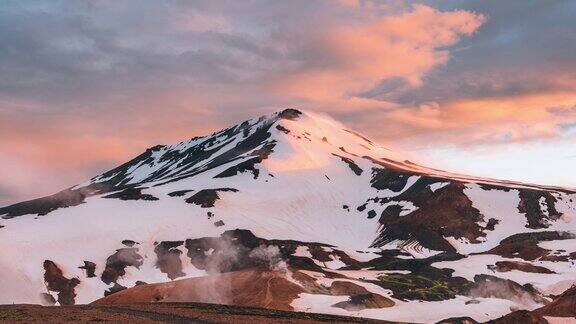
63	52
520	50
68	51
563	110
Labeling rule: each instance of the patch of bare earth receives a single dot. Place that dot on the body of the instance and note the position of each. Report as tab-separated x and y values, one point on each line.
506	266
254	288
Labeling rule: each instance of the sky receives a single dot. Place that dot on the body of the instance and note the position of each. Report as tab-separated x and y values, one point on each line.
484	87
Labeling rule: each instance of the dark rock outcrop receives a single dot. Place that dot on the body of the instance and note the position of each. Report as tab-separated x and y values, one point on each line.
55	281
90	268
206	198
168	258
117	263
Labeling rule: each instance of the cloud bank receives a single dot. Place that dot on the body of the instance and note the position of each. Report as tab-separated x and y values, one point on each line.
86	85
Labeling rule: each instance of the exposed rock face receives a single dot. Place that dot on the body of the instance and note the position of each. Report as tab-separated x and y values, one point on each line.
351	164
346	288
506	266
525	245
447	212
207	197
563	308
90	268
241	249
363	301
131	194
116	264
55	281
168	258
179	193
522	316
290	114
45	205
539	208
490	286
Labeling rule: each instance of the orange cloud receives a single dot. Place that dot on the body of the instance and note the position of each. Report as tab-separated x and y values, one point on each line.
357	55
485	120
43	153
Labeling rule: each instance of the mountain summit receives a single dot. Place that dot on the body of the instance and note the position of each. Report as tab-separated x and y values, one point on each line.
339	223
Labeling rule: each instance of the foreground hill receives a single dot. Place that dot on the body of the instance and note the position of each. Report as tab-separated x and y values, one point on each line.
298	213
164	313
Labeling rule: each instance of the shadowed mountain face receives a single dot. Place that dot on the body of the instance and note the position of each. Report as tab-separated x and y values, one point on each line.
320	216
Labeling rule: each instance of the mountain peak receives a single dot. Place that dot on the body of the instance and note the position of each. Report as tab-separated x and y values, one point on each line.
310	143
290	114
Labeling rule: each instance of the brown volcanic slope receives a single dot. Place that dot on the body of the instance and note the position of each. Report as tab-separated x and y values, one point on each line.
562	310
253	288
271	289
564	306
256	287
163	313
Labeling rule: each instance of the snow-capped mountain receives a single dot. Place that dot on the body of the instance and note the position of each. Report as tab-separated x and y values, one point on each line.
349	226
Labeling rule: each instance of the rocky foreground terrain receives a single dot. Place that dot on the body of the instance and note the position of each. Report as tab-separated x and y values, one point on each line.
292	212
561	310
163	313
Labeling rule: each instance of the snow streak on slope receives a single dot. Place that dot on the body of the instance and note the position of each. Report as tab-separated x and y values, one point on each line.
330	201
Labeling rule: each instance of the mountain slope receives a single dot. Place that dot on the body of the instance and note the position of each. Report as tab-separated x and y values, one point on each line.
301	193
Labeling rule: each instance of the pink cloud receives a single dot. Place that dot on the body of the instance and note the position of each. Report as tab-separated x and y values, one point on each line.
356	55
514	118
